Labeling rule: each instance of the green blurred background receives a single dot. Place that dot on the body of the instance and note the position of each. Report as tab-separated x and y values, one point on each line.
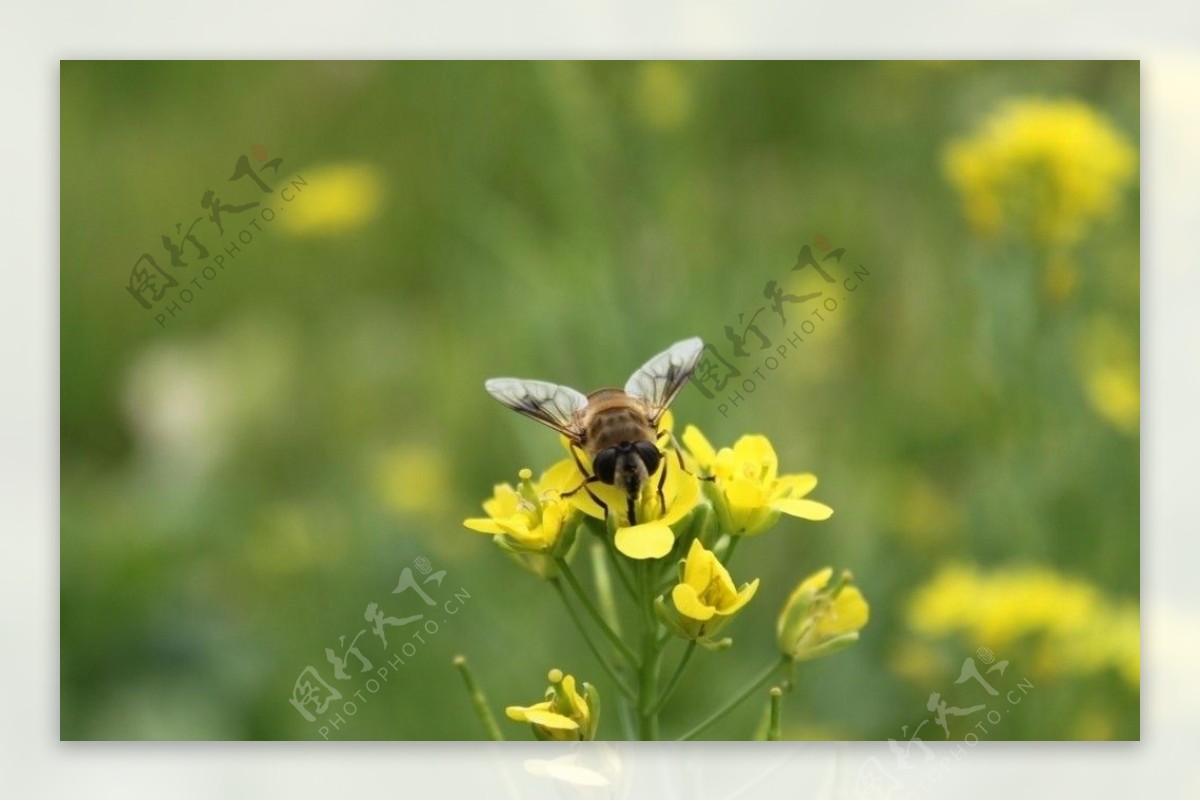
239	484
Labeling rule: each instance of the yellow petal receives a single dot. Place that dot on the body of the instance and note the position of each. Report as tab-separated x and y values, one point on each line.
699	446
550	720
722	581
812	584
645	541
755	451
743	597
744	495
683	496
689	604
484	525
562	477
795	485
505	502
697	569
850	613
521	713
572	699
552	521
612	497
802	508
518	529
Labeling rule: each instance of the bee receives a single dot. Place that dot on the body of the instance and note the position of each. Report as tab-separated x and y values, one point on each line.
617	428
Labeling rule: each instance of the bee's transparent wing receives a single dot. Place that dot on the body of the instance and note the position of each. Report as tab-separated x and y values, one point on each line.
549	404
659	380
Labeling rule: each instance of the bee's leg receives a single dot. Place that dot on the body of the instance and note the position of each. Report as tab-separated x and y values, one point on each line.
578	461
590	479
599	502
679	453
662	479
586	481
584	486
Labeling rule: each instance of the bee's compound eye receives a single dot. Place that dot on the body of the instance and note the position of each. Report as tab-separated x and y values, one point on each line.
650	455
605	465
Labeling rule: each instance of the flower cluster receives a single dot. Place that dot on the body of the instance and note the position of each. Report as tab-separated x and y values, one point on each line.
1044	169
534	522
672	558
1071	625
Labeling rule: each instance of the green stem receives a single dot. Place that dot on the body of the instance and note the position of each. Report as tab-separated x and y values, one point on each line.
750	689
670	688
648	671
611	547
595	613
603	581
478	700
612	673
775	729
728	555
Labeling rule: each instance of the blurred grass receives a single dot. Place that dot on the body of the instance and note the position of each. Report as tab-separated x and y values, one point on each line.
233	485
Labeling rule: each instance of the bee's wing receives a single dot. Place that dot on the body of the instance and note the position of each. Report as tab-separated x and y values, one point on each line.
550	404
659	380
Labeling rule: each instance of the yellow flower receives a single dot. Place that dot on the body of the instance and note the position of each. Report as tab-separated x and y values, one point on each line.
413	479
747	491
651	537
1046	169
1110	373
534	520
334	199
999	608
705	597
565	714
1114	393
663	95
817	621
1071	626
1111	638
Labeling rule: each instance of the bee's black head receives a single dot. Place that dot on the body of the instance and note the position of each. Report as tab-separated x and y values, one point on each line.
627	465
605	465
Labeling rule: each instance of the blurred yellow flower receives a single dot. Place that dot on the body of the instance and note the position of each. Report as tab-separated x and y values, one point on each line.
1111	638
747	491
1113	392
652	536
533	520
816	621
1073	626
1109	362
999	608
565	714
337	198
1046	169
663	95
705	597
413	479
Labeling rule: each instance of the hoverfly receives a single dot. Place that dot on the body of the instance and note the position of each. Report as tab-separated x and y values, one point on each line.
617	428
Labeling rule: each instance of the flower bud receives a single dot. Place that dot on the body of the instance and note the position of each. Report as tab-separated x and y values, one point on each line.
818	620
565	714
